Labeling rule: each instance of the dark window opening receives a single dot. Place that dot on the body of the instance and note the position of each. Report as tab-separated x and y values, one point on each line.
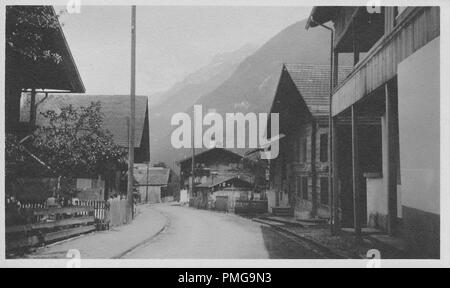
305	193
297	150
324	191
283	167
324	148
304	155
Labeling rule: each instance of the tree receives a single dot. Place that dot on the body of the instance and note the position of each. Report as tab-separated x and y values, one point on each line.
30	52
72	143
26	29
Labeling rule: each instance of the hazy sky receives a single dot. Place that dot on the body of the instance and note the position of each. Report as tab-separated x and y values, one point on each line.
171	41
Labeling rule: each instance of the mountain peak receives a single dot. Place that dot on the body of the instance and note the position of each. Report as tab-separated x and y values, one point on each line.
251	86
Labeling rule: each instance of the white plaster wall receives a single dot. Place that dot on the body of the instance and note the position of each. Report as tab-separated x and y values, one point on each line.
271	199
184	198
419	120
376	197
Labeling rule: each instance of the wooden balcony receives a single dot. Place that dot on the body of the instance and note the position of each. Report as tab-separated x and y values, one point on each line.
416	27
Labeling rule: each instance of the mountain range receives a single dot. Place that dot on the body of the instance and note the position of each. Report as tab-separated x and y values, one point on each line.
241	81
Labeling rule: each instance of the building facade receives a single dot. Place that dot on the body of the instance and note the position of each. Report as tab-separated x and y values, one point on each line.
299	176
115	110
386	121
214	168
155	184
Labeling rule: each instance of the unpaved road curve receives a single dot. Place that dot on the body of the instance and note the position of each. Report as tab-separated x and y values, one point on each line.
200	234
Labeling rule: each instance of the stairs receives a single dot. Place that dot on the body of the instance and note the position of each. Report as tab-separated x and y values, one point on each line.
283	211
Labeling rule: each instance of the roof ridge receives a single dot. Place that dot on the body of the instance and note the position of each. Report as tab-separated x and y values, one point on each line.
309	64
316	65
93	95
209	150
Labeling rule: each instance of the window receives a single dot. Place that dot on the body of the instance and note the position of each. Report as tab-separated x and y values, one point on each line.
324	148
304	156
297	150
324	191
299	186
305	194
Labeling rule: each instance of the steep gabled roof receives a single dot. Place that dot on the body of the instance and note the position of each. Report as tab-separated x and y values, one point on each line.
313	83
214	151
116	109
47	75
213	182
320	15
156	176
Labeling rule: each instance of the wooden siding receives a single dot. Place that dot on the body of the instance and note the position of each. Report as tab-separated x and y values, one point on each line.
345	16
297	137
296	170
380	65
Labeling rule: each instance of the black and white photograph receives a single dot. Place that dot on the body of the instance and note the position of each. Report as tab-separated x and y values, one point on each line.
224	133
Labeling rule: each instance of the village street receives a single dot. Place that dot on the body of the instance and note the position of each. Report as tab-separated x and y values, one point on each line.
170	231
202	234
331	150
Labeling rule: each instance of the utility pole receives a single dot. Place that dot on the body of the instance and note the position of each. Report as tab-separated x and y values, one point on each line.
193	167
132	116
146	187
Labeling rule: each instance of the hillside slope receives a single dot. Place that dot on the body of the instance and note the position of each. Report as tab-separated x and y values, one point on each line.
252	86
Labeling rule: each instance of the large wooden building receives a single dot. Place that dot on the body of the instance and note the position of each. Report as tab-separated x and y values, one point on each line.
216	170
115	109
299	176
386	121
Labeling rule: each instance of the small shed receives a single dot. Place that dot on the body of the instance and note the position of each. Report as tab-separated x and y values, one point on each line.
152	184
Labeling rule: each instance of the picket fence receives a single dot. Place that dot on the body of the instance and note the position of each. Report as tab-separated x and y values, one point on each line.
39	223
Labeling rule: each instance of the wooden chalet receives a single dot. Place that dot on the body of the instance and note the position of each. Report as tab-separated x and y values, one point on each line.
115	109
386	121
299	176
214	168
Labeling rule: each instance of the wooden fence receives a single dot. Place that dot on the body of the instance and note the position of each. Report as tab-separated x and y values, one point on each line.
100	208
33	224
